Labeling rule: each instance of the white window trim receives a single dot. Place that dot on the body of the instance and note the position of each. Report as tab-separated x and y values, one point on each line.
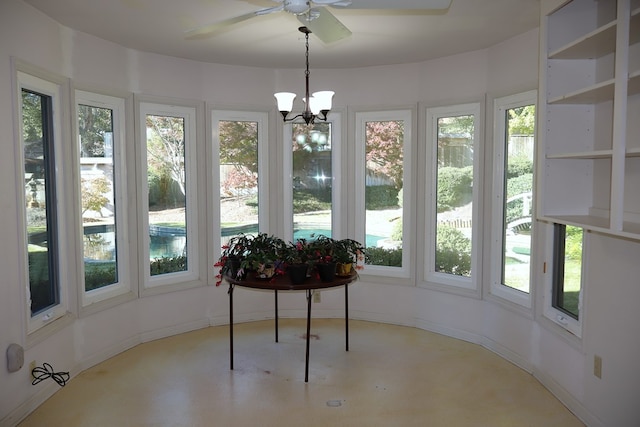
192	273
337	225
262	118
57	89
497	288
431	203
558	317
361	119
123	286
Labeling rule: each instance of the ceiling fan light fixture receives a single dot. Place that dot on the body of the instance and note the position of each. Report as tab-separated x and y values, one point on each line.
318	105
297	7
285	101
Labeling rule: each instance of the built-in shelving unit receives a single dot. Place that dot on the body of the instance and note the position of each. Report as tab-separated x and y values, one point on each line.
589	114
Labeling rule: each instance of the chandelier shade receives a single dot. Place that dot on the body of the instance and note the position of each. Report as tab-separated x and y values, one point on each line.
316	106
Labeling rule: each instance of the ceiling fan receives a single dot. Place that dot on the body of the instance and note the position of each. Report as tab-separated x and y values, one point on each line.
315	15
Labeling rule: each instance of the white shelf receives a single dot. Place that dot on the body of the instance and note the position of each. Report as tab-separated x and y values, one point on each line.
597	43
596	154
594	94
592	222
581	185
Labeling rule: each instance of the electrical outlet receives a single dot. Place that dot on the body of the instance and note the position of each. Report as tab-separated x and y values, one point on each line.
597	366
316	296
32	366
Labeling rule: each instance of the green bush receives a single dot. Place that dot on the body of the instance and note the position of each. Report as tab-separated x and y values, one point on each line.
454	187
519	166
381	197
168	265
385	257
97	275
453	252
311	200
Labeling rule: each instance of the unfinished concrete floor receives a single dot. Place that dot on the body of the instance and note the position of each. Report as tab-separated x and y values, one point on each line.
391	376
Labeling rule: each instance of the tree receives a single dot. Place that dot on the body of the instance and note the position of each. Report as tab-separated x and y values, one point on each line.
522	120
166	148
239	148
93	124
384	154
93	194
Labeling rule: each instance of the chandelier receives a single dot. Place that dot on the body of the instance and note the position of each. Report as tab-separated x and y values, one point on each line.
316	107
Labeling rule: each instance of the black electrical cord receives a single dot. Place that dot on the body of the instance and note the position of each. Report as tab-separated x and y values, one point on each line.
46	371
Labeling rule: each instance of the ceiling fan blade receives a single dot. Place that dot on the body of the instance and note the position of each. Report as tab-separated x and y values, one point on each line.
325	26
208	30
343	3
400	4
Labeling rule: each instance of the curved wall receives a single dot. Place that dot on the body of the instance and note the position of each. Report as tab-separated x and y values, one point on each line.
504	69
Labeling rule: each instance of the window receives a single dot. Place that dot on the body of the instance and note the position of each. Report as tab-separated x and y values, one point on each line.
101	136
567	272
311	188
240	139
312	180
513	208
564	279
453	141
383	176
170	222
41	119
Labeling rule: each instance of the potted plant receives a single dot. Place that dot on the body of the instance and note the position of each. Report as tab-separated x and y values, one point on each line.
232	256
323	249
346	253
297	258
263	255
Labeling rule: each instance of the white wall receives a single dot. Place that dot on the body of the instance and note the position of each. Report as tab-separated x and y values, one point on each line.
611	318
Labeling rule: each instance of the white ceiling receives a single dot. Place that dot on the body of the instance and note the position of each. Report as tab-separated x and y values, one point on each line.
380	37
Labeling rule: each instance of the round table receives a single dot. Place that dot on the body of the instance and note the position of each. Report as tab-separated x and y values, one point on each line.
282	283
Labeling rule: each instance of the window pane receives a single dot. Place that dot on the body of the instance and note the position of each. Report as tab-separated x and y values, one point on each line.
312	180
40	210
518	185
97	179
238	178
383	192
166	180
567	269
454	195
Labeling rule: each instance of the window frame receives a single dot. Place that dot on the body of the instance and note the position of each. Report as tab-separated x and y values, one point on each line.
124	286
262	118
338	224
360	119
496	287
57	88
434	278
557	316
190	113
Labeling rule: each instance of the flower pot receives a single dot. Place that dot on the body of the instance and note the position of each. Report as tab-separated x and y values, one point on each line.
267	271
344	268
235	270
326	271
297	273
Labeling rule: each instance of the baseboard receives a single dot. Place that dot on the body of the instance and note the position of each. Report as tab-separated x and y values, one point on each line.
174	330
567	399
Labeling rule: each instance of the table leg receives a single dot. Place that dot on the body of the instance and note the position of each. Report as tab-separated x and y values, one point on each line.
231	325
306	365
275	291
346	314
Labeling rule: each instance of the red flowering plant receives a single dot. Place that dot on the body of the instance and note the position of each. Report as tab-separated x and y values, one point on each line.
232	257
322	249
297	253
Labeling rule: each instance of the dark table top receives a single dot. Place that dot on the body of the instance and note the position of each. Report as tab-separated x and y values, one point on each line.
283	283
